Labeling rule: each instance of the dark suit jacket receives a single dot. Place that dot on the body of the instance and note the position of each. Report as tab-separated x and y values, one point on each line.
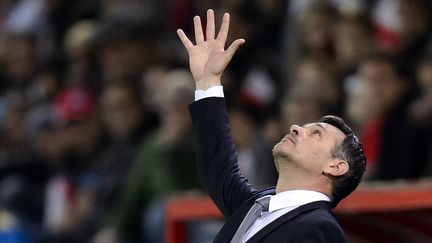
219	173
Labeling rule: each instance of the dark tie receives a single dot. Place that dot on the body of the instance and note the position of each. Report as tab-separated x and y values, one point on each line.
261	205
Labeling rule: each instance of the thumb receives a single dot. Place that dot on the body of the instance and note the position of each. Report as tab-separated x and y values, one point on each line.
233	48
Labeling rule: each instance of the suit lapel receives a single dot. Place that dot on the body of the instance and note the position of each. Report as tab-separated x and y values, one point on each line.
287	217
233	222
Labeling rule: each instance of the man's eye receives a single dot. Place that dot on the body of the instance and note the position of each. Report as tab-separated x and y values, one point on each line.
317	132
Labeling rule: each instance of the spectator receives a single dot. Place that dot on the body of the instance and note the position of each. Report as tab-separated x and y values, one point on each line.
164	165
67	148
353	41
415	32
318	78
124	122
384	101
315	30
124	48
420	110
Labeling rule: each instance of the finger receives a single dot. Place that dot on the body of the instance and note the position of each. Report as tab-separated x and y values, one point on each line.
223	32
186	42
210	30
199	37
233	48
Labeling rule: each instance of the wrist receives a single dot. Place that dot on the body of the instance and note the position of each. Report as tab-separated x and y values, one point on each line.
206	83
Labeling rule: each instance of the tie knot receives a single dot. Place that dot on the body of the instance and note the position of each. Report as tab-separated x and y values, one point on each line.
264	202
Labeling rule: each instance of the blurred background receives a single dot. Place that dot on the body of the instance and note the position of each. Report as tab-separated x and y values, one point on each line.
94	129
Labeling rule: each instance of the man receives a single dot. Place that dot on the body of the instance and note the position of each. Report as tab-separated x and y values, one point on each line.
318	163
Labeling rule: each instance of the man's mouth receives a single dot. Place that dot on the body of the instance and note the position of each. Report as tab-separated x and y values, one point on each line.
289	137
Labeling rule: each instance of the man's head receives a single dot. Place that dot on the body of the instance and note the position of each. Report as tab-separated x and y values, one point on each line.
326	156
351	151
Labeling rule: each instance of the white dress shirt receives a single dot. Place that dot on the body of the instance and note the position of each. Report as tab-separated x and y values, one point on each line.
280	203
215	91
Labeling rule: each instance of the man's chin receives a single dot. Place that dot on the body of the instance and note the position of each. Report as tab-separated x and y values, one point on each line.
280	155
276	149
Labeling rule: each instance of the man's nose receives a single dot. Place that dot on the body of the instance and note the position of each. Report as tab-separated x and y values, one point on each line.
296	130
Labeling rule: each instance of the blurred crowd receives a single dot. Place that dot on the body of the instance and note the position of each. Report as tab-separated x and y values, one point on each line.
95	133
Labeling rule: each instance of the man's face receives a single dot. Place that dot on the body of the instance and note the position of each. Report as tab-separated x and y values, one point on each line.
308	146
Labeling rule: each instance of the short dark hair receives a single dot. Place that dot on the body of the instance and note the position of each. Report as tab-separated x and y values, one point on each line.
350	150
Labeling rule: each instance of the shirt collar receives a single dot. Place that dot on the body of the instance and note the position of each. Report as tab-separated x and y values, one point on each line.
295	198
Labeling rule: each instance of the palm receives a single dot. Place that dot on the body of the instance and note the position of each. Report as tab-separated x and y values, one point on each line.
208	58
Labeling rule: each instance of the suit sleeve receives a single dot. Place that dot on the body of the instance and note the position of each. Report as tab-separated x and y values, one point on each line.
217	157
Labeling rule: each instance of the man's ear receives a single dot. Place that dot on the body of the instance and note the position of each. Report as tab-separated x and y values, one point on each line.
336	167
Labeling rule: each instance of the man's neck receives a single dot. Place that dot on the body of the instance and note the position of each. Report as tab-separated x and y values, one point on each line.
294	180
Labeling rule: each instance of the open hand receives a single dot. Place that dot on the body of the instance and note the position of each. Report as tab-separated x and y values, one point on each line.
208	58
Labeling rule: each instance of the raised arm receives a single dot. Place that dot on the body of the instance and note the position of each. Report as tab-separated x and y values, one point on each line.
208	57
216	154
